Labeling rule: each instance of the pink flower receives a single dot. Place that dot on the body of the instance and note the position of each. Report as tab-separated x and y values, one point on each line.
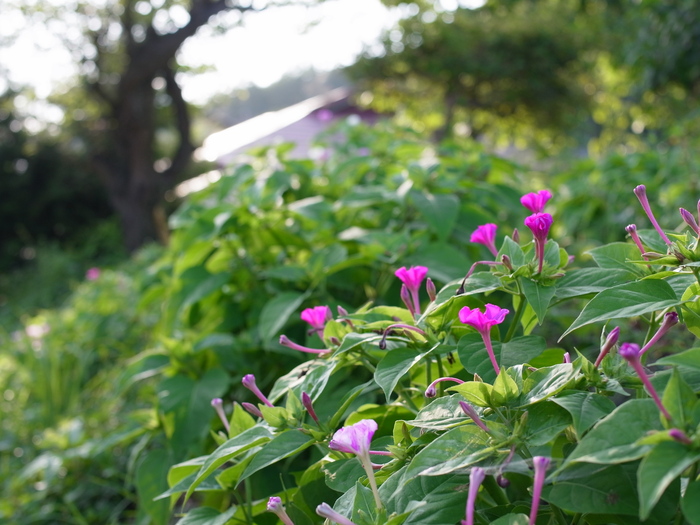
285	341
631	353
486	235
356	439
326	511
317	317
432	392
540	463
610	341
641	193
218	404
482	322
535	202
249	382
539	224
476	478
93	274
412	278
274	504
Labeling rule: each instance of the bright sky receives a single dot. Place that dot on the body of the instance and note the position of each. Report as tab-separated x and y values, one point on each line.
268	46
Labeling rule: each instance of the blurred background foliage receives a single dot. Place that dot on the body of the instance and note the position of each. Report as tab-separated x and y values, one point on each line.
106	383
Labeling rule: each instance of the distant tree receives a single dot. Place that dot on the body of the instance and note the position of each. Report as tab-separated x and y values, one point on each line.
495	67
130	107
41	180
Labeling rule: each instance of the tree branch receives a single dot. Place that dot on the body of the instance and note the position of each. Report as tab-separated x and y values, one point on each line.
182	120
154	53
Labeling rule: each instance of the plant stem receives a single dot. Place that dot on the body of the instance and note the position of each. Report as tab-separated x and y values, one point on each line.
518	315
429	370
441	373
407	399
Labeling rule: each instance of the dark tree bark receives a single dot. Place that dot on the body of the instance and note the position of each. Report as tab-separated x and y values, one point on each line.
126	161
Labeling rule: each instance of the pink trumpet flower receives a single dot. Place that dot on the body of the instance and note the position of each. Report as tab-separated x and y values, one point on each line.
670	320
412	278
469	411
356	439
539	224
486	235
535	202
326	511
218	405
632	230
285	341
610	341
317	318
690	220
631	353
432	392
641	193
476	478
249	382
540	464
274	505
482	322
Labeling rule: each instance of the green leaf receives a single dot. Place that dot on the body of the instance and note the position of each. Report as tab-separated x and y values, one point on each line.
627	300
341	475
439	211
232	448
613	439
480	282
150	481
689	359
512	519
214	341
596	490
394	365
310	377
591	280
353	340
444	260
207	516
475	392
586	408
513	250
441	414
473	356
618	255
364	509
549	381
545	422
538	296
454	450
658	469
188	402
276	312
434	500
203	288
240	421
505	390
208	485
679	399
281	446
691	503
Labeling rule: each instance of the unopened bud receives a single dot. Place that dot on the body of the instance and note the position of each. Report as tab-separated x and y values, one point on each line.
430	288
